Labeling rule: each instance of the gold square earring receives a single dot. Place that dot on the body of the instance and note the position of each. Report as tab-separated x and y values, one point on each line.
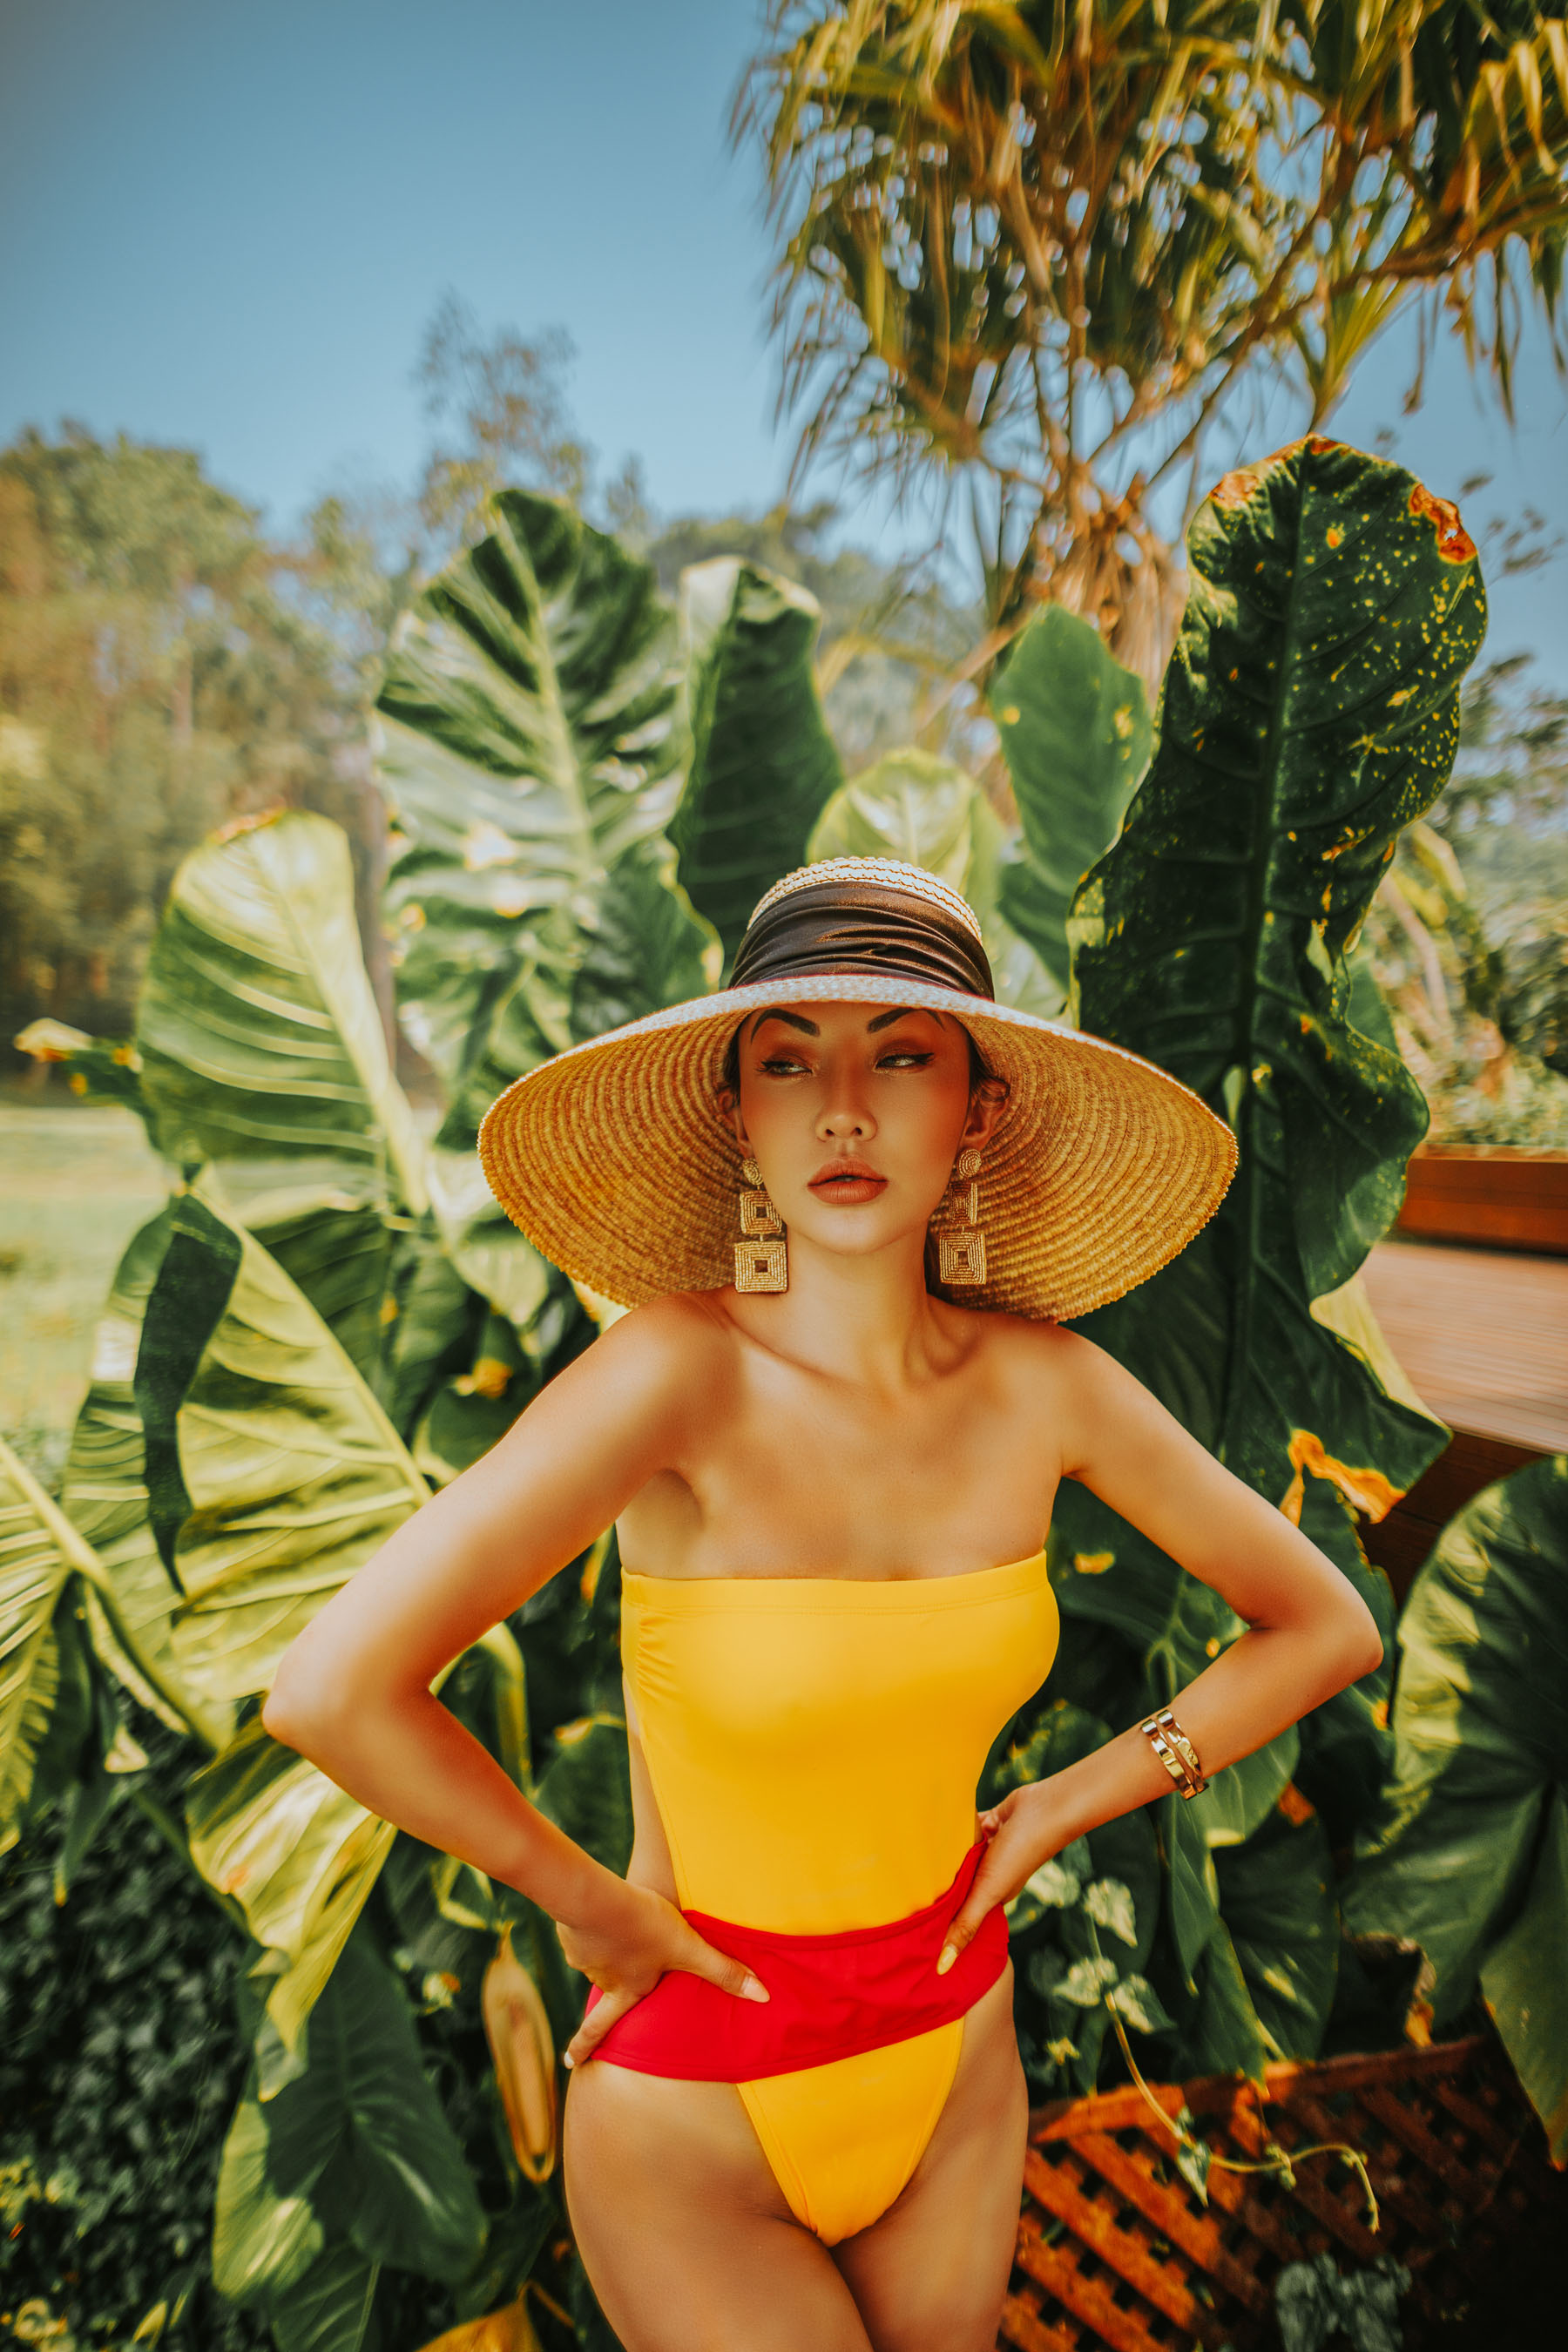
762	1256
961	1248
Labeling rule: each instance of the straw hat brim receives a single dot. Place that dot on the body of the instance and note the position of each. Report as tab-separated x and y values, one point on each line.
612	1158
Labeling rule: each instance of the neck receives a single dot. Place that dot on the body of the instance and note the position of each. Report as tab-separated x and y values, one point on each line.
866	1319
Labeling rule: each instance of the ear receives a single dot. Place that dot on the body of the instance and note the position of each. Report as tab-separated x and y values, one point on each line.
986	1106
729	1108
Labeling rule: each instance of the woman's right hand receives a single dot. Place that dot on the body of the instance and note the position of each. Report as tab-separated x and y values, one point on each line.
626	1950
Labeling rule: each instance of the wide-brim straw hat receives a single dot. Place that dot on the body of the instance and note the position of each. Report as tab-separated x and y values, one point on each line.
613	1158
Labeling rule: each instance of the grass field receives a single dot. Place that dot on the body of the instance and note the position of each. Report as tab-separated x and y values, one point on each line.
74	1186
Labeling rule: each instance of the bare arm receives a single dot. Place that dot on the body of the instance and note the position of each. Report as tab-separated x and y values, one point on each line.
353	1693
1308	1631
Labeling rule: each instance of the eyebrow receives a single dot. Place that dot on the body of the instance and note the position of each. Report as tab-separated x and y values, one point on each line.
798	1021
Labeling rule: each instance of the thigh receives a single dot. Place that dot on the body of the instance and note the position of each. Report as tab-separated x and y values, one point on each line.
686	2235
930	2277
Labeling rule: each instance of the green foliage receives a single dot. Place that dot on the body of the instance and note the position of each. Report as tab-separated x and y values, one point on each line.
762	763
1475	1799
531	745
157	675
258	1032
119	2064
1076	735
1310	712
330	1314
1012	262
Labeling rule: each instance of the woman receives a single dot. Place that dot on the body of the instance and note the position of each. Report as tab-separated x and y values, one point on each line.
797	2115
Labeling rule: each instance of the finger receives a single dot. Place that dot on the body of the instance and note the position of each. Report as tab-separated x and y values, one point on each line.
731	1975
968	1920
596	2024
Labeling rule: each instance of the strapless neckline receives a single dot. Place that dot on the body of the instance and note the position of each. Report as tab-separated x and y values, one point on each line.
838	1591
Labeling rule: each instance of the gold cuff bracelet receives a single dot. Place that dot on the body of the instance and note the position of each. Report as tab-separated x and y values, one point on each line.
1175	1752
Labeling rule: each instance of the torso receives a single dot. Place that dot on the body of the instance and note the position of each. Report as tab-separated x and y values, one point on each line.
787	1472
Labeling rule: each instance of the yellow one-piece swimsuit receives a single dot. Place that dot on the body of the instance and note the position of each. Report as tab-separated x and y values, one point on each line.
813	1746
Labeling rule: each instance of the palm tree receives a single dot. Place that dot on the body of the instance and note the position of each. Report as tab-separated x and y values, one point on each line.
1031	252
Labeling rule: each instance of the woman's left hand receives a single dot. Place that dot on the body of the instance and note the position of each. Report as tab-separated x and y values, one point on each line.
1021	1833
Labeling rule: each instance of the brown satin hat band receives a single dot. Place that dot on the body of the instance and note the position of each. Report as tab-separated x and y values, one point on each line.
840	925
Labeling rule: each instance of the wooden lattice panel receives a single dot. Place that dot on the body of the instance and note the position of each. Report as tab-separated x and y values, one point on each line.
1115	2251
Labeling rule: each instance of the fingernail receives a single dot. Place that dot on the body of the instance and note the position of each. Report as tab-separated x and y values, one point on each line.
568	2060
947	1959
752	1990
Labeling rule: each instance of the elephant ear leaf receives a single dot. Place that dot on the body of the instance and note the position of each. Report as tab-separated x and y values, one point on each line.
258	1030
1076	737
300	1857
36	1566
1480	1727
274	1474
530	745
104	1496
762	763
1310	712
351	2166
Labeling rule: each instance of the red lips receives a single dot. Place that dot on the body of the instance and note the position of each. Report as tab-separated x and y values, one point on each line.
849	1181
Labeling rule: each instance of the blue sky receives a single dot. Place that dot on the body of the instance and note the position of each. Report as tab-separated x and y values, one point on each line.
226	225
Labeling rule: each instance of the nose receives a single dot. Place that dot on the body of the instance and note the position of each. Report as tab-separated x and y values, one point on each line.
846	1113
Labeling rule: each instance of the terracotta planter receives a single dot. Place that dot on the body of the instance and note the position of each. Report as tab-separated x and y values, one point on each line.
1115	2251
1498	1198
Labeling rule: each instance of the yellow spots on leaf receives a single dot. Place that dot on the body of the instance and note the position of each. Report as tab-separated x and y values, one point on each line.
1122	721
411	918
1294	1805
486	845
510	897
388	1310
76	1083
489	1378
1366	1489
1212	1646
1093	1563
1334	536
1011	716
1380	1713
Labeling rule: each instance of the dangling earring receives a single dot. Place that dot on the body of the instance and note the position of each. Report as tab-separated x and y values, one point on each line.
961	1253
762	1263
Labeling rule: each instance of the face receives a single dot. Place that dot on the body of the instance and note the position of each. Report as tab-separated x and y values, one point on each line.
855	1114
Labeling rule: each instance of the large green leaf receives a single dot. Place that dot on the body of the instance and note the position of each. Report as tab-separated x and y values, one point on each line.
1277	1897
35	1570
762	763
1525	1984
51	1702
930	812
300	1855
1076	735
258	1033
286	1473
1310	711
356	2151
1468	1859
104	1494
530	745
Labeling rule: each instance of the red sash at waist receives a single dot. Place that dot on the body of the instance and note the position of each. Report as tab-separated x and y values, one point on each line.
829	1996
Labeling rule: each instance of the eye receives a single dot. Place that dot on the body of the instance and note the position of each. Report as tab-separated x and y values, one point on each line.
905	1058
781	1066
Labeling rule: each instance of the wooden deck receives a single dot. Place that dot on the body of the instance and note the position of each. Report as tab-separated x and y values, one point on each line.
1483	1335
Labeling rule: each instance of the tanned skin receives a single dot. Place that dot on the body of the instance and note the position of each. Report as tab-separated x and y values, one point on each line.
852	1426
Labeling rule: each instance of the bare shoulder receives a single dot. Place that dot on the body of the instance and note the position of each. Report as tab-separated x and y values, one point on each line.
673	1346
